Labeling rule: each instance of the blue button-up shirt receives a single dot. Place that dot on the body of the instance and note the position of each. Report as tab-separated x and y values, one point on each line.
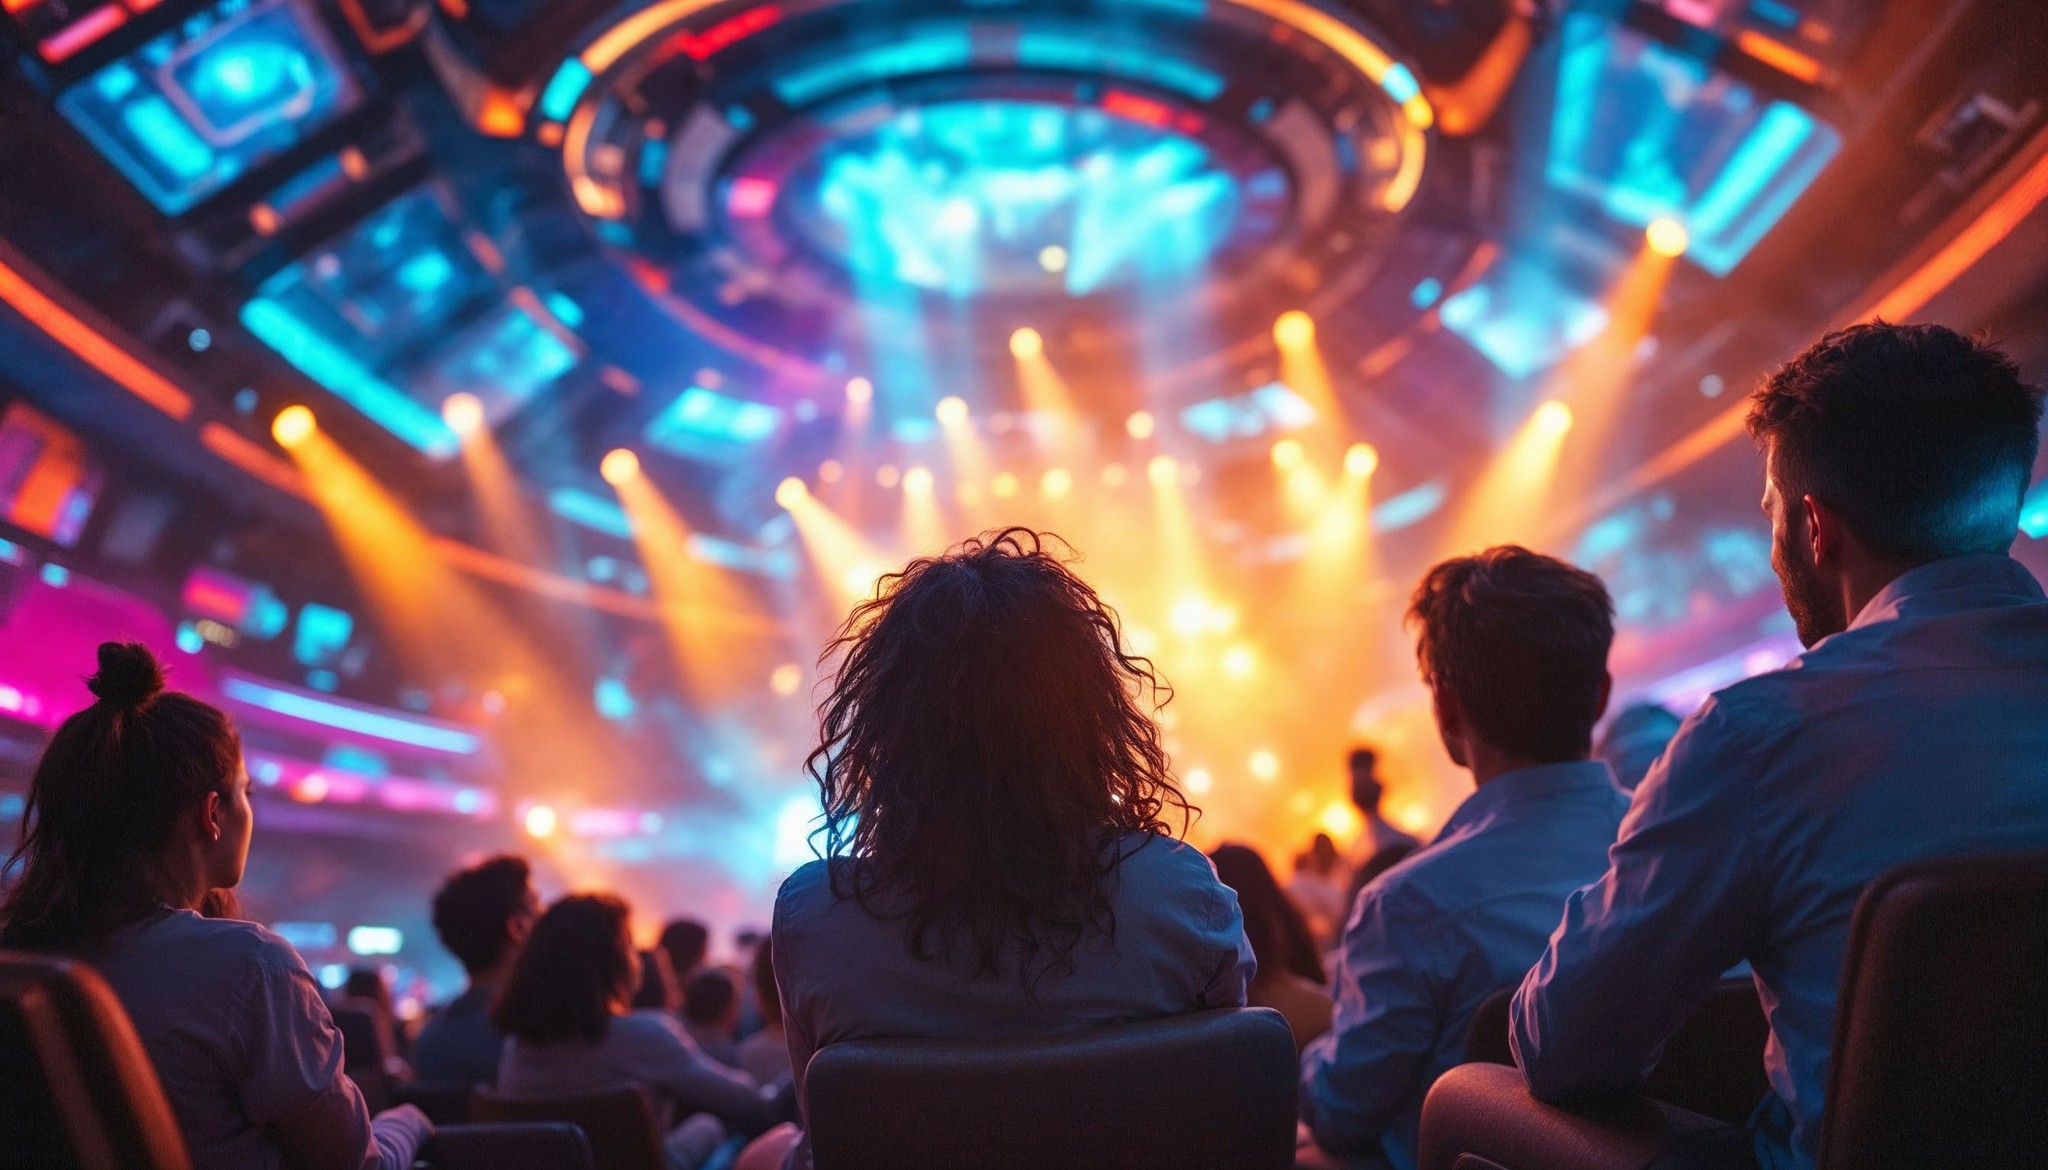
1920	731
1432	937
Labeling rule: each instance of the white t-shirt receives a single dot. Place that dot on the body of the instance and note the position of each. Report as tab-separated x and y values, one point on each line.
239	1036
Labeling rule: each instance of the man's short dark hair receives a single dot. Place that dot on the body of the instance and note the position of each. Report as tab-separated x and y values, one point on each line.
709	995
1922	439
1366	789
474	908
687	942
1362	757
1521	640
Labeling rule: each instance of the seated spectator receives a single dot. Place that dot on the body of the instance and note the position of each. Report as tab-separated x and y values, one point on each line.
1633	740
999	863
764	1055
566	1015
1290	976
1895	459
481	915
1513	648
1381	845
367	990
687	942
711	1014
138	809
1317	889
658	989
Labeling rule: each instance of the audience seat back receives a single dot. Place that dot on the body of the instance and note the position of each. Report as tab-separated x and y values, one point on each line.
619	1123
1941	1034
76	1087
1713	1065
1212	1089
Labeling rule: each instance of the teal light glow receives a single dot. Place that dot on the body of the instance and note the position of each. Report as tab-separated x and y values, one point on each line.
1272	407
332	367
1644	131
926	51
1089	54
705	424
965	196
2034	512
349	717
1521	318
613	699
591	511
568	84
322	635
1410	507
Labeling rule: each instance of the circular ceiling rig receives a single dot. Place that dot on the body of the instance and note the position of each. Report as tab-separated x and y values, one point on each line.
873	184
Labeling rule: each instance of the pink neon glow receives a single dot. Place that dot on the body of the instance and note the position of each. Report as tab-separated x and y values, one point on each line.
724	35
751	197
310	783
85	32
214	594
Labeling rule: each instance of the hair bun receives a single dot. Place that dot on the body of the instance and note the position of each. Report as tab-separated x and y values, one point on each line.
129	675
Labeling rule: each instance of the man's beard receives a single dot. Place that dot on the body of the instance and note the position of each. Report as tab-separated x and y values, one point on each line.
1816	610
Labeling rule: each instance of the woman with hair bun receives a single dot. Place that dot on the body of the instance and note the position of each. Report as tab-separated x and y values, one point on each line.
138	819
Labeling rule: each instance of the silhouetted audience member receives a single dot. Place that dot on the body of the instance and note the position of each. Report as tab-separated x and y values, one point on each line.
1318	889
1895	460
687	942
366	991
481	915
1290	975
1381	844
1000	862
711	1014
139	809
569	1030
1633	740
659	991
764	1055
1513	648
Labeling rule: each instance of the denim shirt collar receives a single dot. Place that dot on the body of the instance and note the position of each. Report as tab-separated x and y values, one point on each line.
1527	785
1952	585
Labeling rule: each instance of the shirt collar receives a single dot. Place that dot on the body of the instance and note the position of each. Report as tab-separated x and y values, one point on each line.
1946	586
1524	785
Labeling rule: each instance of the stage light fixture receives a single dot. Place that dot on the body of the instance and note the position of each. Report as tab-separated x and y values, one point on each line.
1162	471
1026	344
1361	460
619	466
1554	417
1052	258
918	481
292	426
1287	454
1056	483
1140	425
790	492
463	412
1294	329
860	391
540	821
1667	237
888	475
830	471
951	410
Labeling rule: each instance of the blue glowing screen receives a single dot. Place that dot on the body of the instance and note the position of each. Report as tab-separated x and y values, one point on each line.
704	424
200	105
355	315
1521	318
1272	407
991	196
1646	131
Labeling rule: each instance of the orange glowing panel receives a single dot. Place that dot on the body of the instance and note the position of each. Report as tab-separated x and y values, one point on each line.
2016	203
1780	56
501	114
18	5
92	346
1137	109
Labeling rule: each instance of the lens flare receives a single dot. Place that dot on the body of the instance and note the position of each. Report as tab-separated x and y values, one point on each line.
1667	237
1361	460
1553	417
789	491
1026	344
951	410
463	412
540	822
619	465
918	481
1056	483
1294	329
292	426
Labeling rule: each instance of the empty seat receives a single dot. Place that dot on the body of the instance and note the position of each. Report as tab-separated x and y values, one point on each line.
76	1086
1208	1089
1939	1057
619	1123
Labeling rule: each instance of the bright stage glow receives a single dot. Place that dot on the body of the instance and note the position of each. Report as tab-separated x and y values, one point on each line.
292	426
1264	766
1553	418
1198	781
463	412
790	491
1287	454
540	822
1294	329
860	391
918	481
1667	236
951	410
831	471
1239	662
1361	460
1140	425
1056	484
1003	486
992	196
1026	344
619	466
785	679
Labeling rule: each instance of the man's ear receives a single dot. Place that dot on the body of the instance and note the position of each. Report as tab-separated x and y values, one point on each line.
1823	529
1606	693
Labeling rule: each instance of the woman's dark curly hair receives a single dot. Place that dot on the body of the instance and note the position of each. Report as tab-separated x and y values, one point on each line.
574	973
985	746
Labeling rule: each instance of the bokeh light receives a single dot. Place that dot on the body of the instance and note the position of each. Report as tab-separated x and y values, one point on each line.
618	466
292	426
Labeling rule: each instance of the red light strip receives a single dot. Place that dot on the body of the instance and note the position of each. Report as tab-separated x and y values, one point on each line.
88	29
90	344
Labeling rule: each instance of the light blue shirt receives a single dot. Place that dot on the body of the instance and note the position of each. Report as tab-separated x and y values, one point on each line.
1432	937
1920	731
846	974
